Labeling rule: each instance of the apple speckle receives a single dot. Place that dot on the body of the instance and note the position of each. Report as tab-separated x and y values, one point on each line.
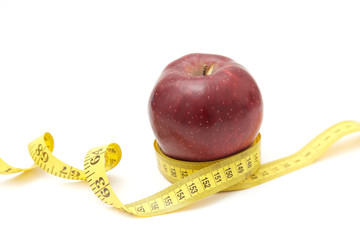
200	118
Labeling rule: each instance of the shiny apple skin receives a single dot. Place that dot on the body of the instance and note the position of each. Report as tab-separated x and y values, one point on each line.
198	117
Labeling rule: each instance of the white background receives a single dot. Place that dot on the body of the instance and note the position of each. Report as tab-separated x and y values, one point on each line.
84	70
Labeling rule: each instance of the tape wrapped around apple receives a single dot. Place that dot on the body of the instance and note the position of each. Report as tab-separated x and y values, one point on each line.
205	107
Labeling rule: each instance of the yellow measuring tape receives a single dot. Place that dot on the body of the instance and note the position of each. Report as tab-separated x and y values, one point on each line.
192	181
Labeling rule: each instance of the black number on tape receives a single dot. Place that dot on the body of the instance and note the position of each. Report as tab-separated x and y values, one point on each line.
168	201
101	184
229	173
217	177
180	194
192	188
44	156
39	150
154	206
95	160
206	183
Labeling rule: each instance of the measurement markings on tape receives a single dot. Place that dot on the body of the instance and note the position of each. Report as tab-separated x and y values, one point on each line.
192	181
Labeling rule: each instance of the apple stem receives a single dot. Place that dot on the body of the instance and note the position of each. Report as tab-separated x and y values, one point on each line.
205	68
208	70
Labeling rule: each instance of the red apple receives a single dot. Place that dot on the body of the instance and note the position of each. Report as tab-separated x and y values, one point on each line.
205	107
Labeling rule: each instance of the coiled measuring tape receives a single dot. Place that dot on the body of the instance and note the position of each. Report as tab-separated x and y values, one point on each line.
192	181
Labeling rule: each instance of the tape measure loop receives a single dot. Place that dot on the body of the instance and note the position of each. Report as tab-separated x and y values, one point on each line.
49	141
192	181
112	156
40	151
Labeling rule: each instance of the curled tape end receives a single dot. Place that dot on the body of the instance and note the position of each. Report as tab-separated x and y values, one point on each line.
112	156
49	141
192	180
